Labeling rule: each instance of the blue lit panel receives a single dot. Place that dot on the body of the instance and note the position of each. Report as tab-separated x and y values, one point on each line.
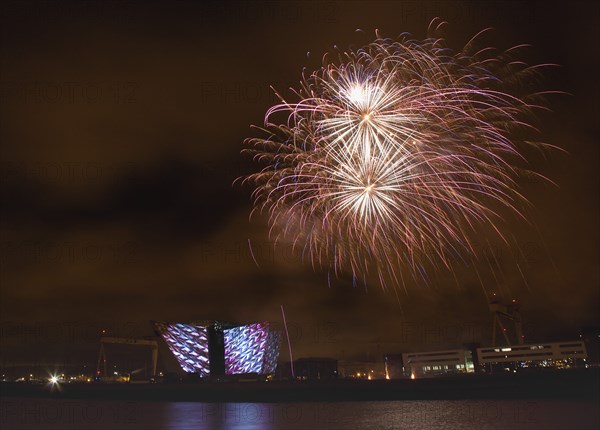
251	349
189	345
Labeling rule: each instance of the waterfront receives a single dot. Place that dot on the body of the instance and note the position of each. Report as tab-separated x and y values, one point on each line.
50	414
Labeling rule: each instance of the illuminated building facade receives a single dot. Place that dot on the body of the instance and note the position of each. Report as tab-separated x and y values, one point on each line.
435	363
189	345
251	348
548	354
216	349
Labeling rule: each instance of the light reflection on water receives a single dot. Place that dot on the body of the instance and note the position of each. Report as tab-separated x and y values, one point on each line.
46	414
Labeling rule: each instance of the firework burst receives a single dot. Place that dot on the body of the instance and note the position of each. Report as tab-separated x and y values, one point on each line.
391	155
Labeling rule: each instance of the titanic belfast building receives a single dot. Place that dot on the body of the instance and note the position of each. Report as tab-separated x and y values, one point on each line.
216	348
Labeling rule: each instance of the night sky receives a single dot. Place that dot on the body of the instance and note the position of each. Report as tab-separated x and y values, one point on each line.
121	128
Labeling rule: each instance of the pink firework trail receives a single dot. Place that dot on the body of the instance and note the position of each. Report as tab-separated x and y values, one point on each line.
392	155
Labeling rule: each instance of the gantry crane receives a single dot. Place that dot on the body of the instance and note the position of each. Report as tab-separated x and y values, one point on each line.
152	343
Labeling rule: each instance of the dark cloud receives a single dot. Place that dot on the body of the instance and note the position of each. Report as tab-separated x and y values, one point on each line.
122	124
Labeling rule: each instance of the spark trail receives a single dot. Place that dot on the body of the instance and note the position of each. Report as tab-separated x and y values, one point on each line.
392	155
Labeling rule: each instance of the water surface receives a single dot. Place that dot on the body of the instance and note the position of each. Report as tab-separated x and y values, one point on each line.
63	414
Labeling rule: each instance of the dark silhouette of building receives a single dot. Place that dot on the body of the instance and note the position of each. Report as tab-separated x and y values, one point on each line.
394	366
310	369
591	337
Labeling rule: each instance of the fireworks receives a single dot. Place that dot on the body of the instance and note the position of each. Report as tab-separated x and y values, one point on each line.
392	155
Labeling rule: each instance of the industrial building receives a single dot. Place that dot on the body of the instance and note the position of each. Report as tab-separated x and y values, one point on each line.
309	369
394	367
559	355
352	369
435	363
591	338
548	354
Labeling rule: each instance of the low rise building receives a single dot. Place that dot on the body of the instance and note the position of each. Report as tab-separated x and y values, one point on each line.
435	363
547	354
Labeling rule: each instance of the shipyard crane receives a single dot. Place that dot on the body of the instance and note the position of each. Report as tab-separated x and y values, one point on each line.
511	313
152	343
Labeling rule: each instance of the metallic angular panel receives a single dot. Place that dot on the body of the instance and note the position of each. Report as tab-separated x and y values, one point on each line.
251	349
189	345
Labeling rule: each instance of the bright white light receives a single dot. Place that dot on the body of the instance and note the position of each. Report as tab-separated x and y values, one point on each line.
53	379
358	95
